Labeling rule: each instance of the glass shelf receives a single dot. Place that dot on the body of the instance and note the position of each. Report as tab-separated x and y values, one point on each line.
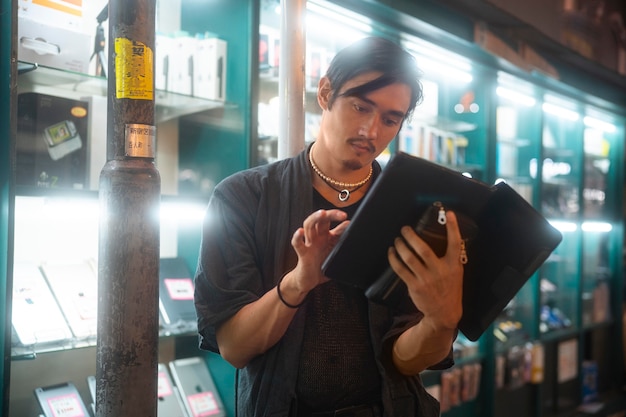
29	352
53	81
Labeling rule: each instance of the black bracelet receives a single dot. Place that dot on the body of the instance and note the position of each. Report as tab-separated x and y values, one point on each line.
280	296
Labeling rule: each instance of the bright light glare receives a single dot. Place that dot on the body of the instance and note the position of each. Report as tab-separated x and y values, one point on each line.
323	25
564	226
560	112
599	124
596	227
340	15
182	212
445	70
515	96
58	209
439	61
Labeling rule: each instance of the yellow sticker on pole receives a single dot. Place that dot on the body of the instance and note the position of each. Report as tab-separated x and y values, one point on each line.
133	70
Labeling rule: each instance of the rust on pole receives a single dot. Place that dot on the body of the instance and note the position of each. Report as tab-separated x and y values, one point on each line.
128	254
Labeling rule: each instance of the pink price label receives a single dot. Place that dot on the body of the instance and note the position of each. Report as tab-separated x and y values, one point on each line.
203	404
164	387
179	288
66	406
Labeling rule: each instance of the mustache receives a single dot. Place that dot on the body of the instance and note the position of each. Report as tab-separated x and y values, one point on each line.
363	143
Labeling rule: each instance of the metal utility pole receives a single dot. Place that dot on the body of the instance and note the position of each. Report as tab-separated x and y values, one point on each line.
130	188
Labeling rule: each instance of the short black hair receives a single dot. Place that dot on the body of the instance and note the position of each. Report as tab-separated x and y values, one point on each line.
395	64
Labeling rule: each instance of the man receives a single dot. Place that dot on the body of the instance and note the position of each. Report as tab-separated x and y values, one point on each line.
306	345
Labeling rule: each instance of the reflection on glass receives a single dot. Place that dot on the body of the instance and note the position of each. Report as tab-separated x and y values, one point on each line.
561	172
516	149
516	129
561	165
596	277
558	286
597	166
448	126
599	138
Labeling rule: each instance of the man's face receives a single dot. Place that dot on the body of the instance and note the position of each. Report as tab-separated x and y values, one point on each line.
358	128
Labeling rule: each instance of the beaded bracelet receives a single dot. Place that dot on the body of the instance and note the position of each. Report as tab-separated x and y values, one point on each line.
280	296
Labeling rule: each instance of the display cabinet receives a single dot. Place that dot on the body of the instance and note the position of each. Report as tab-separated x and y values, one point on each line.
579	154
561	175
200	140
515	331
560	160
602	286
558	147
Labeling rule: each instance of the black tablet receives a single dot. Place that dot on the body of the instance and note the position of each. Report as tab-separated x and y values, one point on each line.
510	241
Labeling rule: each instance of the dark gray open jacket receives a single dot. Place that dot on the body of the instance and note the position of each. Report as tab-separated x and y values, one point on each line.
245	249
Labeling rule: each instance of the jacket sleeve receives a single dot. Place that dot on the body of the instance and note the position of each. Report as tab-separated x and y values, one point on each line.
227	275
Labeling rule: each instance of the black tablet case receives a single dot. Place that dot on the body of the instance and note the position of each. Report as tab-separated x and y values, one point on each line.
512	241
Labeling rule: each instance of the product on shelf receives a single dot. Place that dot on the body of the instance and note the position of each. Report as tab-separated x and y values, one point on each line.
75	288
196	387
177	310
37	318
61	400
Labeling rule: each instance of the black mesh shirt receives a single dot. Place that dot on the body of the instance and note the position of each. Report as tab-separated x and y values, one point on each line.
337	366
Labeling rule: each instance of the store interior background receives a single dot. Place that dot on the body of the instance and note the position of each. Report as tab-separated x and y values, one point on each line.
573	49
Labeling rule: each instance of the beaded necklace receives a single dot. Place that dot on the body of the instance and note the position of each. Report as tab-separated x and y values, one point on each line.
343	188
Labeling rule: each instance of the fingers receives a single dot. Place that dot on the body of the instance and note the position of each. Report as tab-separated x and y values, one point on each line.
397	264
410	251
455	239
452	229
340	228
297	240
415	253
313	241
316	230
317	225
435	285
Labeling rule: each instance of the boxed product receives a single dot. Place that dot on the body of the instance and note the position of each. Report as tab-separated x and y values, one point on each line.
269	51
47	44
209	68
180	76
163	57
316	65
65	13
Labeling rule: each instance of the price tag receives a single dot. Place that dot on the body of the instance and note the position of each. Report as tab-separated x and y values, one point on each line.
66	406
179	288
203	404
